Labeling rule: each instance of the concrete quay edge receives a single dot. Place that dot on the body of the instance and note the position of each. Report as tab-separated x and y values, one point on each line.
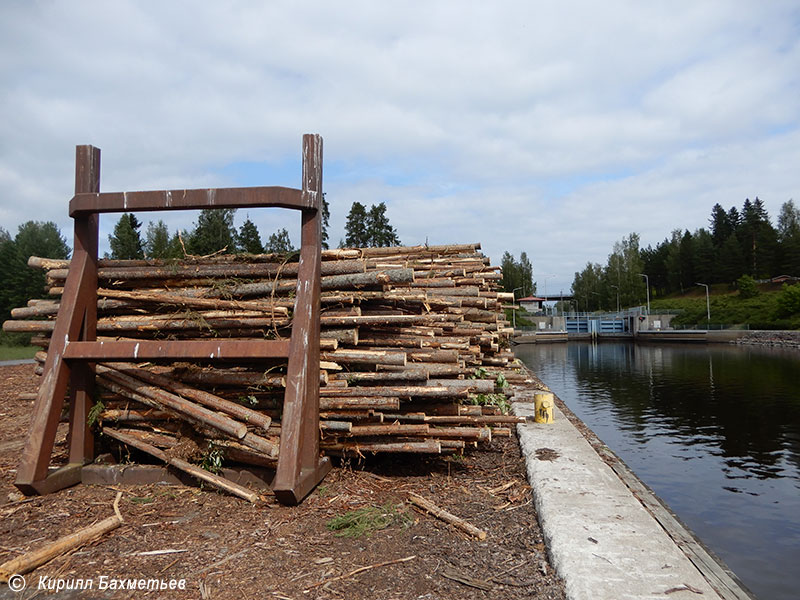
602	540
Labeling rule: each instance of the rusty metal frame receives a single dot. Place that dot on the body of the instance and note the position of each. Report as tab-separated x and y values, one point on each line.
74	350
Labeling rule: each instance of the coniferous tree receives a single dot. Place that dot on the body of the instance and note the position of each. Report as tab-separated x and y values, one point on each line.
730	264
721	226
380	233
214	231
7	259
248	238
526	274
125	242
517	274
356	234
326	216
789	239
34	238
279	243
703	254
156	240
177	244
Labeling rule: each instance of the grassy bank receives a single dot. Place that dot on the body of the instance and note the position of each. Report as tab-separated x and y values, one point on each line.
764	310
16	352
16	346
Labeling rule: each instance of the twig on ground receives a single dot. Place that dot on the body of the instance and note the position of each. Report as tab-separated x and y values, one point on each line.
361	570
445	516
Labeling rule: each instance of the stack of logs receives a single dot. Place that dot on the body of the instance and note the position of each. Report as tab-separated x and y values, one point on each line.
414	351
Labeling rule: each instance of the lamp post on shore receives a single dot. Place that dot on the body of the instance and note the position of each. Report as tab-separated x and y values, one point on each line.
708	305
617	288
546	277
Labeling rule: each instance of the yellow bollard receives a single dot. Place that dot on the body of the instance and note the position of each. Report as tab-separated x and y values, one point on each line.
543	405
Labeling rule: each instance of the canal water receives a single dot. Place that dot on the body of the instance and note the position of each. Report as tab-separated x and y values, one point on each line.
713	430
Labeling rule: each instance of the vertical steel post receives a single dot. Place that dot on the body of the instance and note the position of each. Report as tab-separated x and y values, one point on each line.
80	288
300	467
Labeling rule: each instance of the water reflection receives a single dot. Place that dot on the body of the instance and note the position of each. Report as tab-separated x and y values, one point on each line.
714	430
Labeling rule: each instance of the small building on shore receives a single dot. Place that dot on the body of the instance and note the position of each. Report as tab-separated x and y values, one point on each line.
532	304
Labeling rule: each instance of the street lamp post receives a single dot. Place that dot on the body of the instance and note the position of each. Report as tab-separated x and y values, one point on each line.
514	310
708	304
647	283
617	288
546	277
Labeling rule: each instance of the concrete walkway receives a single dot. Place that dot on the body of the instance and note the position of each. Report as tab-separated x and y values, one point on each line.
602	541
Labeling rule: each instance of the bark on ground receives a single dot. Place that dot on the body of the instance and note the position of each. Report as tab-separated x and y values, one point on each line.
227	548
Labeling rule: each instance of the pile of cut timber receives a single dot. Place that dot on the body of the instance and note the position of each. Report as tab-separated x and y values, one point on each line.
414	351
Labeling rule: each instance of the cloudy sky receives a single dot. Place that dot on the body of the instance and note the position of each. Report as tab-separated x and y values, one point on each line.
554	128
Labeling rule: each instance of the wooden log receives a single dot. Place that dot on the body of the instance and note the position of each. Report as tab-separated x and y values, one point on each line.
179	270
432	369
473	386
365	357
347	336
31	560
207	399
349	448
235	452
406	374
406	391
133	416
161	399
210	478
446	516
359	403
230	377
390	429
278	307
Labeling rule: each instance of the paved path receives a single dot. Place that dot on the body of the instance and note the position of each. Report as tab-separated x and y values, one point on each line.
602	541
11	363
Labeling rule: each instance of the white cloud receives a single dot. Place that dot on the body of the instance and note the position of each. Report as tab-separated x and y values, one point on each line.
551	128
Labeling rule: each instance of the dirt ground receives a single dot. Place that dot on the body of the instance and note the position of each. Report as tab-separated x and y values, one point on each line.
223	547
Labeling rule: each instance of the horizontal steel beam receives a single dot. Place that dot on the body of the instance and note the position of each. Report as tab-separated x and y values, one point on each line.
110	202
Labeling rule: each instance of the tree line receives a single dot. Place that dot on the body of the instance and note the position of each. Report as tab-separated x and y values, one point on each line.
213	232
737	243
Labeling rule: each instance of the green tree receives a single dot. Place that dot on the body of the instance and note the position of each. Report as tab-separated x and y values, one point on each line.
214	231
526	274
747	287
721	226
279	243
757	239
125	242
8	257
517	274
21	283
156	240
249	240
326	216
703	254
586	287
356	234
175	248
789	239
380	233
789	300
730	262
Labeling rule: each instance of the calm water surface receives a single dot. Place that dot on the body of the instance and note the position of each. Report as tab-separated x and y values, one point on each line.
714	430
